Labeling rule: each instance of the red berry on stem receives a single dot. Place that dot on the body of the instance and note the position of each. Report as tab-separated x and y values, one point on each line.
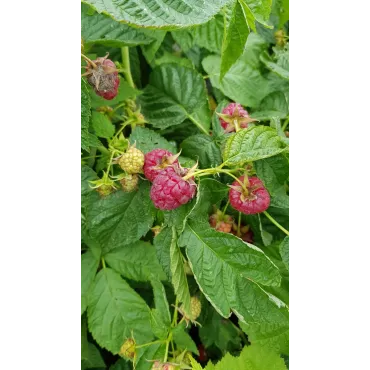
234	112
255	200
170	190
156	161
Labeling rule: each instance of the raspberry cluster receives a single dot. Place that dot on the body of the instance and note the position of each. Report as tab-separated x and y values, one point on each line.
169	189
225	223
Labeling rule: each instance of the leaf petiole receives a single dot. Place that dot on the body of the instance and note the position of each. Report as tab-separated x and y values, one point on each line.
276	223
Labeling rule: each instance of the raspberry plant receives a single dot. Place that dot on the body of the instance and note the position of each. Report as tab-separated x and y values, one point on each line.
184	137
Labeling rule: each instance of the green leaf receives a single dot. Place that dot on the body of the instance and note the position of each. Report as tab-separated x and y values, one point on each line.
284	251
150	50
179	280
153	352
94	359
87	174
102	125
186	162
116	312
211	192
85	115
125	91
259	9
218	331
274	173
195	365
177	217
161	318
159	13
229	271
260	235
202	148
101	29
183	340
94	141
89	266
274	105
251	144
274	67
241	83
236	34
147	140
273	337
168	58
121	364
208	35
162	243
173	94
84	342
251	358
135	261
120	214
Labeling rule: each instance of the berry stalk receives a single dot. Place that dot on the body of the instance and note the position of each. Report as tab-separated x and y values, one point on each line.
276	223
126	66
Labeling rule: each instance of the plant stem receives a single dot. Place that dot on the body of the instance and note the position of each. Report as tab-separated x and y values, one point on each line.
285	124
174	320
196	123
110	162
122	127
103	262
276	223
150	343
239	220
227	204
167	345
126	65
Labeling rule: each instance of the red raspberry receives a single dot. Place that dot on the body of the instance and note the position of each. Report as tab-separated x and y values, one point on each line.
156	161
234	111
257	200
170	191
103	77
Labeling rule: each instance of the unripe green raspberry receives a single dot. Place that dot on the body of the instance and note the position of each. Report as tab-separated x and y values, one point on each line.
105	190
129	183
196	307
132	161
128	349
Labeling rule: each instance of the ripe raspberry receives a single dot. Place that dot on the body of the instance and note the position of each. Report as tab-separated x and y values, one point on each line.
156	161
170	191
132	161
234	112
103	77
128	349
129	183
257	200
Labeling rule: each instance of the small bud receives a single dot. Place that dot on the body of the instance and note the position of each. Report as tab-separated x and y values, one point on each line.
128	349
